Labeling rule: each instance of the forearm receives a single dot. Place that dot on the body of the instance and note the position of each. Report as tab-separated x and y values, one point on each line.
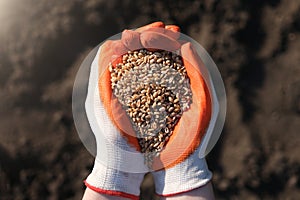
202	193
92	195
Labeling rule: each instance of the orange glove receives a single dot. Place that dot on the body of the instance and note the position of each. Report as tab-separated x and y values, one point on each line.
193	123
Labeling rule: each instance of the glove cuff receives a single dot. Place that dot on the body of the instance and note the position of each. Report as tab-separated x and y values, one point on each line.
113	182
187	176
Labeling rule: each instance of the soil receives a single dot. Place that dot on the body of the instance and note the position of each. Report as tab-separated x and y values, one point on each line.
255	45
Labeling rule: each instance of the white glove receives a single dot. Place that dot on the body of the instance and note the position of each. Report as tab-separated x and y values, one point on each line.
117	163
190	174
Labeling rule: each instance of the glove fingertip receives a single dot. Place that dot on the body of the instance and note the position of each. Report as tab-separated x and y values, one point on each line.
158	24
155	40
118	48
172	28
172	31
131	39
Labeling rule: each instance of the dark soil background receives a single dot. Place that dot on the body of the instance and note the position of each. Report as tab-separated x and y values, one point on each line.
255	44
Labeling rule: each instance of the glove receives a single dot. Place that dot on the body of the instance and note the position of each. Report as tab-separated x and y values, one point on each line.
188	175
109	174
189	171
178	167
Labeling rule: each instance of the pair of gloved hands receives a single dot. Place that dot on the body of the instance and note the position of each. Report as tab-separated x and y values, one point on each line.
119	166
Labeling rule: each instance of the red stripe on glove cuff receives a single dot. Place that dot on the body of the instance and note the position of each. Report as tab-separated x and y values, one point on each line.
112	192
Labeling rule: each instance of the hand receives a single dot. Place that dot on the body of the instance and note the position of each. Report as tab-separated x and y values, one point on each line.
115	158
